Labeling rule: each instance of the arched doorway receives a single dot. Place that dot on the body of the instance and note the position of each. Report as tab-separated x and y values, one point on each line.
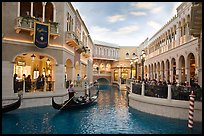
68	72
162	70
168	70
25	9
38	10
34	72
152	71
49	12
155	71
191	66
173	67
181	69
149	72
158	71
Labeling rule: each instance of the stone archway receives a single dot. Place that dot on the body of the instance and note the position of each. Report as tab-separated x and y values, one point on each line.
191	74
68	72
173	68
35	70
182	75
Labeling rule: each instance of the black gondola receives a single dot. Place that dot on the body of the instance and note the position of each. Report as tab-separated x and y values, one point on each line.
75	103
12	106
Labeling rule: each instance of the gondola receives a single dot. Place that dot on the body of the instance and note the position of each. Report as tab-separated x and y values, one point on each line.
75	103
12	106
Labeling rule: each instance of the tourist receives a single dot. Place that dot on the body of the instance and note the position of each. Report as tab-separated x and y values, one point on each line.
78	77
28	83
15	83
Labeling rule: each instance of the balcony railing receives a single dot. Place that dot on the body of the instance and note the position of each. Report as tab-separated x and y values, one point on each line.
27	24
72	39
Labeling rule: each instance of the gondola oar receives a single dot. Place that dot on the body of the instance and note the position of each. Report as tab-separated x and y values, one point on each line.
66	102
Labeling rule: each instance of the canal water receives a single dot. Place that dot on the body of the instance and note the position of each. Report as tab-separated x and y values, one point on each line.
110	115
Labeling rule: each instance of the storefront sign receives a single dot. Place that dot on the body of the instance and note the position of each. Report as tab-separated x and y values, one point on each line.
41	34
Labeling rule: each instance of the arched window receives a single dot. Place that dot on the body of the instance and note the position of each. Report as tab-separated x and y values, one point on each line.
49	12
25	8
108	67
38	10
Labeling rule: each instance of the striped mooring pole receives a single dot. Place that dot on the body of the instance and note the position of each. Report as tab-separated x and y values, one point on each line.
191	110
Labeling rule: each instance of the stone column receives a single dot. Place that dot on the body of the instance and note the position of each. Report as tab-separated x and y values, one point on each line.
73	74
119	74
7	76
171	75
43	17
18	14
31	10
169	92
178	30
157	74
142	88
59	75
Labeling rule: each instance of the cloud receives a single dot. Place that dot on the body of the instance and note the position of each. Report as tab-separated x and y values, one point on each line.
156	10
154	25
138	13
98	29
144	5
127	29
116	18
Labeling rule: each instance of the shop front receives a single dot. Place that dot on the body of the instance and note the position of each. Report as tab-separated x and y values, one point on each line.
33	72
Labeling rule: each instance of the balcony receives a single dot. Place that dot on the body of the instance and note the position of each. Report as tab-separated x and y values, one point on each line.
87	53
71	39
27	24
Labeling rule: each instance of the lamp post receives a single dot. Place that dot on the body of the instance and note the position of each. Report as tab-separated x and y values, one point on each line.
142	57
131	68
134	59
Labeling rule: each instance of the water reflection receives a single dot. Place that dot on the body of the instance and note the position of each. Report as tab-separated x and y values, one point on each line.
110	115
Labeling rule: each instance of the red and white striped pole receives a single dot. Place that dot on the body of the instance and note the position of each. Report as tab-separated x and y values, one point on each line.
191	110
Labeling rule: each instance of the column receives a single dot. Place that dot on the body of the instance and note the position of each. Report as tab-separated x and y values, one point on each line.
119	75
178	30
188	36
171	75
31	10
157	73
161	74
142	88
7	76
73	73
187	74
18	14
43	12
59	75
169	92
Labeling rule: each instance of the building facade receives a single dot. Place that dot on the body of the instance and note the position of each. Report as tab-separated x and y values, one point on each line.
174	53
23	63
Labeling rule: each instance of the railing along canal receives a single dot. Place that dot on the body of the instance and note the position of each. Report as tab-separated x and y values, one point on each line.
166	91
